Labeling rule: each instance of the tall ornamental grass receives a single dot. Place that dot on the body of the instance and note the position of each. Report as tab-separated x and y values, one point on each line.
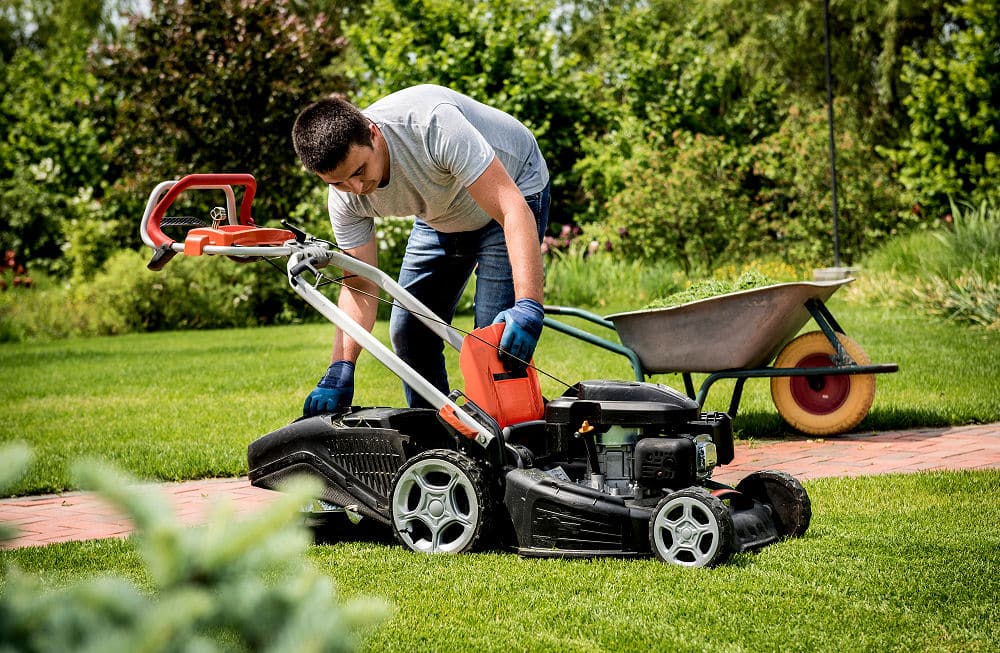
952	272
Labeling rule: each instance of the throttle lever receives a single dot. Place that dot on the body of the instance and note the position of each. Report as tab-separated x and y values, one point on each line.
300	236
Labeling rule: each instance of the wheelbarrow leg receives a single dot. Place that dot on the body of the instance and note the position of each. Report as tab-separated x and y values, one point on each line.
740	376
830	327
688	384
734	403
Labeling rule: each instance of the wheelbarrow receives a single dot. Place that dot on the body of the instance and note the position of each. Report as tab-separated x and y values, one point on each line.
822	382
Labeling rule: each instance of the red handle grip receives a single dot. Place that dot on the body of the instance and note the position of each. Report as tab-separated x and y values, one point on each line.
204	179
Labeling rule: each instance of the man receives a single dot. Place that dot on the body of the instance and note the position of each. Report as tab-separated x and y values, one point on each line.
478	185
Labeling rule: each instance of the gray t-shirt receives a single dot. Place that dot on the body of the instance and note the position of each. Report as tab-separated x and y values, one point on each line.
440	142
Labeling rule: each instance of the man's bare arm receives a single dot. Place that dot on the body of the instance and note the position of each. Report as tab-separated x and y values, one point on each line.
500	197
362	308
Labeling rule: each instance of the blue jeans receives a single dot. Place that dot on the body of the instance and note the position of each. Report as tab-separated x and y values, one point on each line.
436	268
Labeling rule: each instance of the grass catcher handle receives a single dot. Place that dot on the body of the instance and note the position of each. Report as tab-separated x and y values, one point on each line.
204	180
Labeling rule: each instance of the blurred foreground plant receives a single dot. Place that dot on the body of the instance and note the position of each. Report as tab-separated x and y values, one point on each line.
229	586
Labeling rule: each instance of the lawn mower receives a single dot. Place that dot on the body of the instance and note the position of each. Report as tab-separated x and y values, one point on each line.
610	468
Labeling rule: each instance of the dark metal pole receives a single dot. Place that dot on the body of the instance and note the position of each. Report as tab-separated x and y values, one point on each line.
833	147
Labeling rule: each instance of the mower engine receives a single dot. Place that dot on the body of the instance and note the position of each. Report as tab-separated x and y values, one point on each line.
636	439
641	468
629	470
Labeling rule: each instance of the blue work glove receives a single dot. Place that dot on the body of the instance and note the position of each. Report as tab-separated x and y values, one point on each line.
520	336
335	390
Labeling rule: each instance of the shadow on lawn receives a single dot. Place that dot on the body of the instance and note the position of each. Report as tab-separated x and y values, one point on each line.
336	527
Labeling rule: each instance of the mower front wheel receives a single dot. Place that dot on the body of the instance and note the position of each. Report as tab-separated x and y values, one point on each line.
441	503
692	528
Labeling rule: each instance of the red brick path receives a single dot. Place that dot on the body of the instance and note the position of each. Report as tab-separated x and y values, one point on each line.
80	516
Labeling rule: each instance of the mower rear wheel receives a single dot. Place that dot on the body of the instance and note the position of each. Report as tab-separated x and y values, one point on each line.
822	405
789	501
692	528
441	503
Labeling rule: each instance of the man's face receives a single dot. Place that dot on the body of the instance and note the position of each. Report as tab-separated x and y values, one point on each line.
360	172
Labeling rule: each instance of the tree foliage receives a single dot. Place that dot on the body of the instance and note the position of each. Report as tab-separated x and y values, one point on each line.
792	206
51	167
232	586
681	200
498	52
952	149
202	86
37	25
698	127
732	81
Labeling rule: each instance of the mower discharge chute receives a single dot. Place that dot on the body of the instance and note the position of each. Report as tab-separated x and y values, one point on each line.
610	468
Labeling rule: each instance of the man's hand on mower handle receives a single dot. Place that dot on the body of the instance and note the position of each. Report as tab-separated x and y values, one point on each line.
335	390
520	335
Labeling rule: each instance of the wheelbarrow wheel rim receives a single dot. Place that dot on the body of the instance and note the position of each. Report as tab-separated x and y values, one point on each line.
822	405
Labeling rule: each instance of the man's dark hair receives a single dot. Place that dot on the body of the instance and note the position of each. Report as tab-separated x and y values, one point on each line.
326	130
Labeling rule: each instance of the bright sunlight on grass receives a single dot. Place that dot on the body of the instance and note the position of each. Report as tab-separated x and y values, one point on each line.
185	405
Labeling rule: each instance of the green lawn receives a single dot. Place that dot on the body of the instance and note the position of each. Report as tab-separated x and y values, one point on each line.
185	405
892	563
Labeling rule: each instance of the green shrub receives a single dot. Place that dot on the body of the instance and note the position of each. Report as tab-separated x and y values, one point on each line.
974	238
968	297
951	148
792	205
230	586
605	279
50	148
203	292
699	200
124	297
952	272
683	202
908	255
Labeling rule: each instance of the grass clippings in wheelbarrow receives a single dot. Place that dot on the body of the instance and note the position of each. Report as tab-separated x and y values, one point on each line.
711	287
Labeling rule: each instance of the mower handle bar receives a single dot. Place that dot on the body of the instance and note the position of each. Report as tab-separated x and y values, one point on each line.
307	254
165	193
307	257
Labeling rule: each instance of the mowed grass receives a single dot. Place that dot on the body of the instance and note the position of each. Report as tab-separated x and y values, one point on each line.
183	405
891	563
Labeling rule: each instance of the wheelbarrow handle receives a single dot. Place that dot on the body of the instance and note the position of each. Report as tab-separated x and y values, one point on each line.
590	338
580	313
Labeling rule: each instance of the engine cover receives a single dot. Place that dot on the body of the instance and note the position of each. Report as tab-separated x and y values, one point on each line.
665	463
624	403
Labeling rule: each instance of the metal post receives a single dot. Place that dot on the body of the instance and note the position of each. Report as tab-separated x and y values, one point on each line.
833	147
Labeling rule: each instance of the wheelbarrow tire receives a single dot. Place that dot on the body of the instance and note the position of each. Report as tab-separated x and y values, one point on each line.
822	405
